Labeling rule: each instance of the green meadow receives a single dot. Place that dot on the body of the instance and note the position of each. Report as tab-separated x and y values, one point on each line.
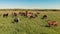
30	26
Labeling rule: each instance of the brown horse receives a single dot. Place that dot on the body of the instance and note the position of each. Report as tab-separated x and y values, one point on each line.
31	15
52	23
14	14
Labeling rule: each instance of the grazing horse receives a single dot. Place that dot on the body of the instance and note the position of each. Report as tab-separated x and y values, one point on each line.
16	20
44	17
37	12
52	23
35	15
28	14
22	13
5	15
14	14
31	15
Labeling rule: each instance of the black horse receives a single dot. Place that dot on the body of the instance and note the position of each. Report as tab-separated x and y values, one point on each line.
15	20
44	17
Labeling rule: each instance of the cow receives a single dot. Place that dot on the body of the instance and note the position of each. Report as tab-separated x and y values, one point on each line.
52	23
44	17
5	15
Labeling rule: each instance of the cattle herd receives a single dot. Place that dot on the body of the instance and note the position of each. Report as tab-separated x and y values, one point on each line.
30	15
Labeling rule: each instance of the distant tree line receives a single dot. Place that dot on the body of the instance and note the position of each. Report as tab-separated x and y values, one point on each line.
29	9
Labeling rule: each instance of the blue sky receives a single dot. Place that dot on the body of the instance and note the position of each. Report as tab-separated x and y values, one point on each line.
30	4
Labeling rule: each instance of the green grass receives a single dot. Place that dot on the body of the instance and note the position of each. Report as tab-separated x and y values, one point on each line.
30	26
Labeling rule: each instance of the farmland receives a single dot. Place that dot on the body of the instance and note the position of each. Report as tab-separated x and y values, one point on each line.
29	26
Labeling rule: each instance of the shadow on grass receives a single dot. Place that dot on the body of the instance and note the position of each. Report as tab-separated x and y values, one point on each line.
45	26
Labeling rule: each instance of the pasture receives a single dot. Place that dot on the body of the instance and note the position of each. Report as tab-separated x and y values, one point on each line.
30	26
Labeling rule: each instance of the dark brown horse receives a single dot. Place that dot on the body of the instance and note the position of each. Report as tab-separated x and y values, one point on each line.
44	17
5	15
14	14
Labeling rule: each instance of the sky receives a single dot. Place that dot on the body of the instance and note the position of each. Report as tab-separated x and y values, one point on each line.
30	4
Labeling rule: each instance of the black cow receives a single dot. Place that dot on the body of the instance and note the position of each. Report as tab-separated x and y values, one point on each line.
5	15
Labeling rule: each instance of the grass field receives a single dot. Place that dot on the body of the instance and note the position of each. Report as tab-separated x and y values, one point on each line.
30	26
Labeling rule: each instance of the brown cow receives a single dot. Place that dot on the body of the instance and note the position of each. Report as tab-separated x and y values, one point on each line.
52	23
